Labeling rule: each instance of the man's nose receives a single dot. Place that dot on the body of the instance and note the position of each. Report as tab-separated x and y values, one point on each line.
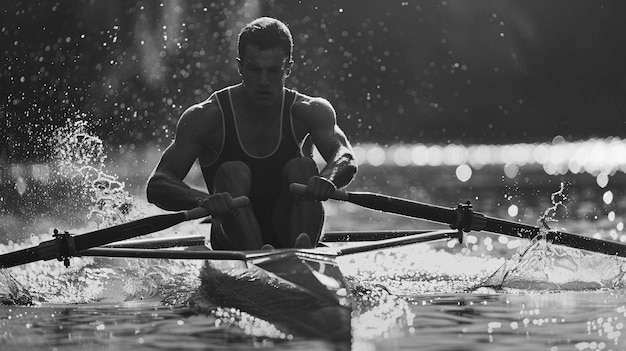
264	78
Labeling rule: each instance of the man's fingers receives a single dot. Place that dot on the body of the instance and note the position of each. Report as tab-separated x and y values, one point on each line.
319	188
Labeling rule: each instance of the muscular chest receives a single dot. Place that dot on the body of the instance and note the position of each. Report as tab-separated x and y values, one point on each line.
259	137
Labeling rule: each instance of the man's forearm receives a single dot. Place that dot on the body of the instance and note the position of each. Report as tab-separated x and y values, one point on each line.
172	194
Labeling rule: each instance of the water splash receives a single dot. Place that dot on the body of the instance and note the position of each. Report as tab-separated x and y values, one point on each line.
537	265
11	291
80	157
557	198
79	185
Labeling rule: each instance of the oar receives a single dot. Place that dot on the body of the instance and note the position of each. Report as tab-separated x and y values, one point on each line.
172	254
383	241
328	237
66	245
464	218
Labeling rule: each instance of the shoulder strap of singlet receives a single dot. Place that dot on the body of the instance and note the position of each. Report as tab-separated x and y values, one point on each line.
290	99
228	116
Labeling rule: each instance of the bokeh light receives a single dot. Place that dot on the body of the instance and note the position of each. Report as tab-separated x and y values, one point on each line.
607	197
598	157
602	179
463	172
513	211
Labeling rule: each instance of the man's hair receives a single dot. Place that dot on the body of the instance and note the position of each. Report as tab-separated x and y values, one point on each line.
265	33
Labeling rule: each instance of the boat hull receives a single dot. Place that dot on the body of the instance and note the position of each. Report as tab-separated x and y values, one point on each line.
302	293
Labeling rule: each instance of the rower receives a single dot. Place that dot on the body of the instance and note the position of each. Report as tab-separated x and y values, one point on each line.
254	139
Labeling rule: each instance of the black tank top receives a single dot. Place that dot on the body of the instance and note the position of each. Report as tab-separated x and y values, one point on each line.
266	170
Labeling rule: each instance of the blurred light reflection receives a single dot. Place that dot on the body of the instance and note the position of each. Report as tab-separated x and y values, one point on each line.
599	157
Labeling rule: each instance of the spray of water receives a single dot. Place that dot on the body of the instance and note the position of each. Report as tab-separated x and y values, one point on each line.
558	198
537	265
79	157
79	184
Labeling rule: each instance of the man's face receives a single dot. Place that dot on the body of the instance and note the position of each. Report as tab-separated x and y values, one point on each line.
264	73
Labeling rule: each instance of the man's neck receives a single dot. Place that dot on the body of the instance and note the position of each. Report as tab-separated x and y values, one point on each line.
252	112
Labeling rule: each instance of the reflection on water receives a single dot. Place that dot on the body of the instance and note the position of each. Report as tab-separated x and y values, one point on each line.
515	321
144	325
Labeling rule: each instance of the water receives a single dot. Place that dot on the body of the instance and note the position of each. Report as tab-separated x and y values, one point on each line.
490	292
524	312
572	321
514	321
428	303
427	297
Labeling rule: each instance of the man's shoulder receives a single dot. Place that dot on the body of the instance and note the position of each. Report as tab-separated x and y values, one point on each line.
306	105
200	119
208	106
205	111
307	100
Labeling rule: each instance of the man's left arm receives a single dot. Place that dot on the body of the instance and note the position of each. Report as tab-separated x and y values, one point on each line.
333	146
337	152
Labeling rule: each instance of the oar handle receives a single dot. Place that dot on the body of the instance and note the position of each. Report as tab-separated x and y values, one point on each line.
200	212
300	189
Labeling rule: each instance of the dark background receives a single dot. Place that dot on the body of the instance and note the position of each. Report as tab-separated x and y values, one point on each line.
396	71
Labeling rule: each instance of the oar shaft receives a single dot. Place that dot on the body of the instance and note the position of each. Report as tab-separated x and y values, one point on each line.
463	218
19	257
391	204
160	243
399	241
128	230
371	235
525	231
164	254
403	207
143	226
67	245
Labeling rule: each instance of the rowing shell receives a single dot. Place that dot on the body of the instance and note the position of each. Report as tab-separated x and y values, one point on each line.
302	291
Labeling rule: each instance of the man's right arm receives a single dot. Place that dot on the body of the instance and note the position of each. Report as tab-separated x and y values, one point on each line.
166	188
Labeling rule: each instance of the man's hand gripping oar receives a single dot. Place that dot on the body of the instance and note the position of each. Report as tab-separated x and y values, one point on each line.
465	219
65	245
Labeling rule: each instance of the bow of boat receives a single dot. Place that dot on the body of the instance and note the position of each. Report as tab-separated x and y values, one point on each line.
301	291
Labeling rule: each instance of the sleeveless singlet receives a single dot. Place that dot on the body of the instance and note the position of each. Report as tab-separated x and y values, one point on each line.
266	171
